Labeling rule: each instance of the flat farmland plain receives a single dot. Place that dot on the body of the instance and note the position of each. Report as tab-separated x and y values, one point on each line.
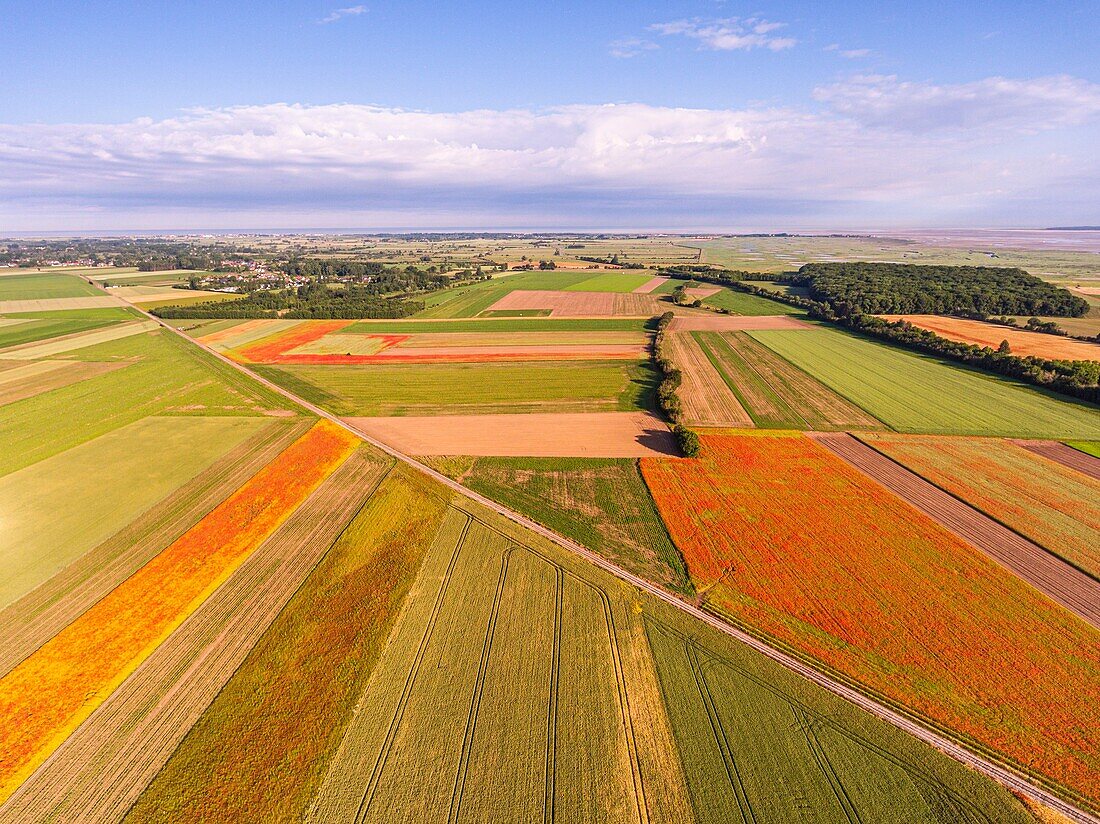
27	327
705	395
1021	341
44	286
901	611
917	393
519	685
469	388
149	459
776	393
580	303
1053	505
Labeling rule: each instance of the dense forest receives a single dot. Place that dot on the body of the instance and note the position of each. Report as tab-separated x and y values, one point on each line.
893	288
313	300
376	278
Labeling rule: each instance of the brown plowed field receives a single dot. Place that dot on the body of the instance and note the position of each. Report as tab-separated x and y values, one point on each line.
1022	342
1068	586
703	291
103	767
42	613
735	323
706	399
579	304
1065	455
650	285
567	434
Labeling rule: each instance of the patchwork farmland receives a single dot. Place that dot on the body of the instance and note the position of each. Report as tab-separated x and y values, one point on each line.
256	616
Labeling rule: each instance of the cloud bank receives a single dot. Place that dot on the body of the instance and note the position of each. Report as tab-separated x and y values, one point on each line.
728	34
875	150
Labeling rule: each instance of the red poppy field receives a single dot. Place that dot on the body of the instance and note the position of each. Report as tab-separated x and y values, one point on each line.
782	536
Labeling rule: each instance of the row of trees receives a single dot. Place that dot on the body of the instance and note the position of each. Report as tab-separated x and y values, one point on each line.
894	288
313	300
668	398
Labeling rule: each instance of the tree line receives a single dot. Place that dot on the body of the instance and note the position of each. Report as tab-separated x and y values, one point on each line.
668	398
310	301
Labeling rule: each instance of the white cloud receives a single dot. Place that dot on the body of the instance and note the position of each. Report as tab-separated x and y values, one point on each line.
728	34
630	47
338	14
994	102
854	54
567	161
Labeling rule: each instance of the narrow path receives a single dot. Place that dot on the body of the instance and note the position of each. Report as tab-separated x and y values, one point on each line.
1065	455
1004	775
1046	572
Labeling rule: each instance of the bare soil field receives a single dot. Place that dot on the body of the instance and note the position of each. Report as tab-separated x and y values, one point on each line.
131	735
1065	455
579	304
1022	342
706	399
650	285
703	291
1063	583
55	304
575	435
735	323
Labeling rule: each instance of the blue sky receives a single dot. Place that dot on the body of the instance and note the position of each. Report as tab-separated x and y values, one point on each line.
498	115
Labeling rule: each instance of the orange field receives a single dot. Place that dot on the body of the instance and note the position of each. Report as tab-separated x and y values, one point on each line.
1022	341
51	692
781	535
1053	505
273	349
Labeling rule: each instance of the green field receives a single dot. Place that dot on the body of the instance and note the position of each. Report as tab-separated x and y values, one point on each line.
911	392
27	327
742	303
519	685
601	503
59	508
468	301
44	286
1088	447
397	327
610	282
165	375
776	393
465	388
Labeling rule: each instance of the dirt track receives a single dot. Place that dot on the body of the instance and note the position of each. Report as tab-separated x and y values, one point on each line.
101	769
1065	455
1050	575
1007	776
735	323
567	435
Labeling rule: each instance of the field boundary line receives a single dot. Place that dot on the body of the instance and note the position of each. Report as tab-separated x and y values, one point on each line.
980	511
552	707
410	679
1011	776
825	766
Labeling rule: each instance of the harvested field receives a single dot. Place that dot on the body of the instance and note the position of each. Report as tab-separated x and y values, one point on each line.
167	294
911	392
702	292
576	435
706	399
650	285
906	609
47	376
1048	573
57	509
735	323
79	340
98	773
56	304
475	388
1022	342
600	503
267	739
45	697
39	615
1084	458
776	393
579	304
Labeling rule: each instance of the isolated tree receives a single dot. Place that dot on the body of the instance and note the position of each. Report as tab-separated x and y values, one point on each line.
1004	348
